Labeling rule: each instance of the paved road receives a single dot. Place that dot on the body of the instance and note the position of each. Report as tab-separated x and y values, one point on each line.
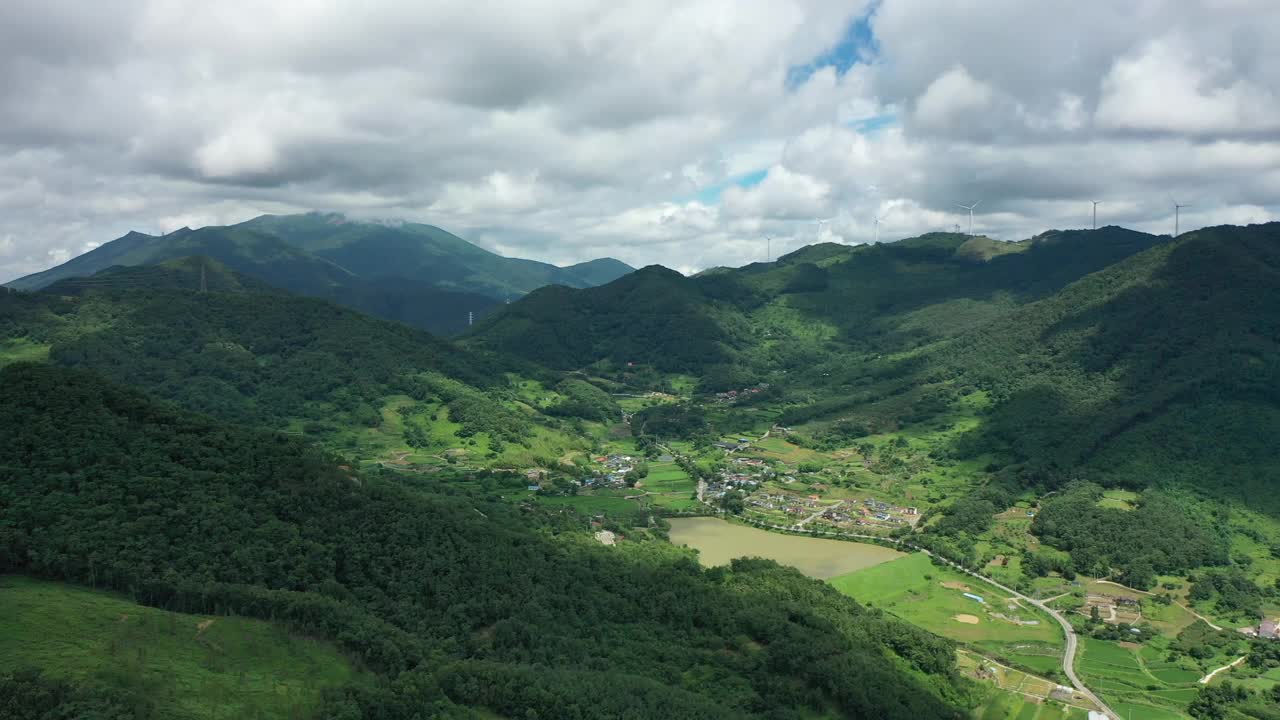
1068	655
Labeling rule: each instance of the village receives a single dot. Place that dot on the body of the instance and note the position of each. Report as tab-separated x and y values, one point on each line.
767	495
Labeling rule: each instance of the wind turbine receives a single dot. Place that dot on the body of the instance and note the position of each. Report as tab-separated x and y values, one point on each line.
820	223
768	253
1177	210
878	219
1095	213
970	209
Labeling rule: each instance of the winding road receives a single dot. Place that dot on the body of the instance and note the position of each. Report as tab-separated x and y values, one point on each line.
1073	641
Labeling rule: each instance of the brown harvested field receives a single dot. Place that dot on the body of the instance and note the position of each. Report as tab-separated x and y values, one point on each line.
955	585
966	619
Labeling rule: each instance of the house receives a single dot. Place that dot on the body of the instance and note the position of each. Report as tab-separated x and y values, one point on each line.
1061	693
912	511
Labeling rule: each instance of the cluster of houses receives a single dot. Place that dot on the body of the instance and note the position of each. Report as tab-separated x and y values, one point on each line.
614	476
733	396
732	481
789	504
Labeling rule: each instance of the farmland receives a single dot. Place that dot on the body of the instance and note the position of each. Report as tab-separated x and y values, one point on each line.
718	541
916	590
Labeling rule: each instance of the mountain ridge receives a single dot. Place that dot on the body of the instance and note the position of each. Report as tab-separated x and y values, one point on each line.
412	273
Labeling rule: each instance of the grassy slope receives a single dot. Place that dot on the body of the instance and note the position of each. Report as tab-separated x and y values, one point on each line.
912	589
229	667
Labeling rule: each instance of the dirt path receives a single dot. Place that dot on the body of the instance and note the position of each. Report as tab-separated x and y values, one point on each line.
1205	680
1207	621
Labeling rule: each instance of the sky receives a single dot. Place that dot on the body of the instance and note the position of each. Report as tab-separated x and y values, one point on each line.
654	131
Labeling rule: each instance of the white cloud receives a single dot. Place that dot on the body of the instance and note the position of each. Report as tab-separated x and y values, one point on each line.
782	195
1168	87
954	97
577	128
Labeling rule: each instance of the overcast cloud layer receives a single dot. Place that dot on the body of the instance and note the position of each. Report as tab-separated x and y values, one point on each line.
679	133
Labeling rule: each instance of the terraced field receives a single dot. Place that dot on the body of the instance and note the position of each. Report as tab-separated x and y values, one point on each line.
1134	678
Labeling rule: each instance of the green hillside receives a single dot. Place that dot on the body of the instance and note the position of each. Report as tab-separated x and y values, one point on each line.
167	664
354	382
259	255
806	312
427	254
416	274
458	601
184	273
654	317
1161	367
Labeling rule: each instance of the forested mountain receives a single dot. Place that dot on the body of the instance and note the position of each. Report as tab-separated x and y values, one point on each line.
427	254
275	360
1164	366
412	273
185	273
459	602
802	309
654	316
259	255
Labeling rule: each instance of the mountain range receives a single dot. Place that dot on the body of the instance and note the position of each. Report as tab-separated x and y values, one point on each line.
412	273
1109	354
195	420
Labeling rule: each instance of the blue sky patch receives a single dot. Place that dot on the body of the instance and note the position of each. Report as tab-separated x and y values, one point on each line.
856	45
710	195
870	125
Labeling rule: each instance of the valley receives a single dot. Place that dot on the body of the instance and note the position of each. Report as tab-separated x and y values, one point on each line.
963	452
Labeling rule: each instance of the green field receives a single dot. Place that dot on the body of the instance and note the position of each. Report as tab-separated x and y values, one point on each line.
719	541
916	590
192	666
14	350
1013	706
1119	499
1129	678
1016	695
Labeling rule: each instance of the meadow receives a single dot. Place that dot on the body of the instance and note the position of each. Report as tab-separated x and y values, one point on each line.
191	666
916	590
